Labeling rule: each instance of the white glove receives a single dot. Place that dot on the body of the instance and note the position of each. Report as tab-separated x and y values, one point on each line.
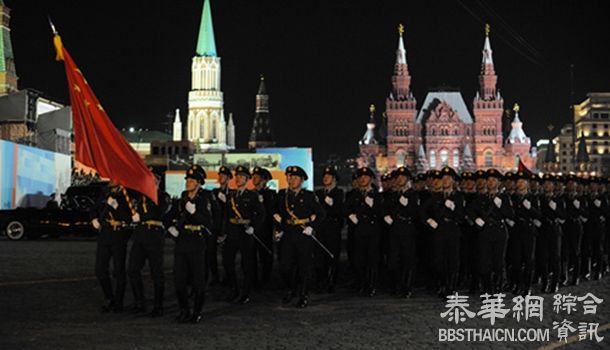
388	219
190	207
96	224
432	223
353	218
369	201
537	223
308	231
278	235
527	204
329	200
277	218
552	205
112	202
559	221
602	219
449	204
576	203
249	230
135	217
583	219
510	222
498	202
403	201
597	203
222	197
221	239
173	231
480	222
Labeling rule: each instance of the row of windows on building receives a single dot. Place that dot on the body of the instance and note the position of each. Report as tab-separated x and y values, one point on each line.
603	115
455	159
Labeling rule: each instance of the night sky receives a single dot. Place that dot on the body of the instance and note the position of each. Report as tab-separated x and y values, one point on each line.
324	61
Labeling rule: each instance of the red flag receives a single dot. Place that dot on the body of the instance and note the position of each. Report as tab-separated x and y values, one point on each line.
99	144
522	167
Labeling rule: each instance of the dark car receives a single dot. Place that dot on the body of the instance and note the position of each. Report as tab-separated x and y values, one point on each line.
72	217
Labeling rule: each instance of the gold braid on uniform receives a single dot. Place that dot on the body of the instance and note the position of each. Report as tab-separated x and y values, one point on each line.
234	207
290	212
133	211
144	206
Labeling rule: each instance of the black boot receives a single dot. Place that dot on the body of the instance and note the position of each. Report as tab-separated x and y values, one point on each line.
289	296
158	308
304	296
332	275
372	290
138	296
108	305
183	304
108	295
199	299
408	282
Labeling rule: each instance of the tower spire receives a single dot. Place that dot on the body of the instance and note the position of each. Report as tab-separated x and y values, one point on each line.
206	45
401	80
488	77
261	135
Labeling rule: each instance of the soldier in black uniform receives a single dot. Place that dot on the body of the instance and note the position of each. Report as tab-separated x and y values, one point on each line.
221	193
244	216
594	230
509	183
350	225
488	212
443	212
148	243
402	214
469	256
576	212
268	197
298	215
193	219
329	232
112	217
365	211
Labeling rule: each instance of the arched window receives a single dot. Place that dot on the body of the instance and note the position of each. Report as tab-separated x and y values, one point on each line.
444	157
489	159
433	131
432	159
468	132
400	157
455	131
456	158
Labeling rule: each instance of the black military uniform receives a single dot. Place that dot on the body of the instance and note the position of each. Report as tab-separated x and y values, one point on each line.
349	246
443	212
552	208
298	215
366	210
402	215
148	243
469	256
193	219
576	213
488	212
595	227
329	233
268	198
523	233
221	194
244	216
113	217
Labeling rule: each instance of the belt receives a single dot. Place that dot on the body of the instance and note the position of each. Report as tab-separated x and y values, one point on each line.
194	227
404	219
152	223
116	224
238	221
298	222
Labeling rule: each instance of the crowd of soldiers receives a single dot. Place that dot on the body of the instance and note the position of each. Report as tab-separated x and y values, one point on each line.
482	232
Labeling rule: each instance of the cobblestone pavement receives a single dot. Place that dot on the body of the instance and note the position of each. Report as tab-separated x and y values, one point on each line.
49	299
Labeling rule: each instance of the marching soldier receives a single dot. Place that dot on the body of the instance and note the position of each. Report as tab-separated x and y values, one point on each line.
112	218
489	212
552	208
443	212
298	215
365	212
193	219
403	213
509	183
469	257
244	216
268	197
594	230
350	225
523	231
148	243
221	193
329	233
576	213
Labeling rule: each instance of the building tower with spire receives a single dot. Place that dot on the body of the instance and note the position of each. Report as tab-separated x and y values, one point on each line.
206	126
401	111
518	145
177	130
230	132
488	107
369	144
8	74
583	162
261	135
